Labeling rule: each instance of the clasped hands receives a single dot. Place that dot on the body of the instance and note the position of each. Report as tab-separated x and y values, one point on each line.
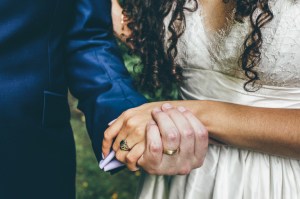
158	137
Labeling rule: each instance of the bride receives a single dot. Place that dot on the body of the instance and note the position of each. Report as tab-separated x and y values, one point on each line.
237	67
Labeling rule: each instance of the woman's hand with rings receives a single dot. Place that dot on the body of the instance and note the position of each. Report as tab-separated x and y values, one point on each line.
130	126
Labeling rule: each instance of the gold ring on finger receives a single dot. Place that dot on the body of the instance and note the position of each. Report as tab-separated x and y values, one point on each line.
124	146
171	152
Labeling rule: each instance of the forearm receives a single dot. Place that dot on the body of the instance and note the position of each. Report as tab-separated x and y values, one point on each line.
273	131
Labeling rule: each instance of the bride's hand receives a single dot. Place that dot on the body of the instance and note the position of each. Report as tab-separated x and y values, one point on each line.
130	125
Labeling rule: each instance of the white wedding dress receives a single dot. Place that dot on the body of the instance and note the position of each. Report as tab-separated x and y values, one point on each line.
211	71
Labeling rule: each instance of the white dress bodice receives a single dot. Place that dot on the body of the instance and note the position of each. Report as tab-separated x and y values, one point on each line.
211	71
211	66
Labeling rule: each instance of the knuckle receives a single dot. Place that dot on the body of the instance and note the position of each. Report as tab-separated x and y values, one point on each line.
187	113
104	145
107	136
130	159
130	123
199	163
155	148
188	132
119	156
159	115
172	135
156	114
115	147
202	134
139	132
185	170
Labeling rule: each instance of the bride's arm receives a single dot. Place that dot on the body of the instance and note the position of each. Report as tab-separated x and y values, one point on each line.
269	130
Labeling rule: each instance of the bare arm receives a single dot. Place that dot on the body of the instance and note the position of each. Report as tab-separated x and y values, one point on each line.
269	130
273	131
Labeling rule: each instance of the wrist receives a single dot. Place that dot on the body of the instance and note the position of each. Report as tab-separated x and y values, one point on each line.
204	110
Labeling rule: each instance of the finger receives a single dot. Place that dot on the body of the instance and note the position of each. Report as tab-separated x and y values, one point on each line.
152	157
187	134
130	141
134	154
121	156
167	128
201	136
133	130
110	123
109	135
120	137
133	135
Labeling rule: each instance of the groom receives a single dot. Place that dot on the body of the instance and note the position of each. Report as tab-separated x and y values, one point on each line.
46	48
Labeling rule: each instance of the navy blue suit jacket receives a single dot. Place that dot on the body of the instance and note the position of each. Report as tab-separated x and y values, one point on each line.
46	48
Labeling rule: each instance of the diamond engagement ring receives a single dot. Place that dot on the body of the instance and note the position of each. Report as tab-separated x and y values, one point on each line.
124	146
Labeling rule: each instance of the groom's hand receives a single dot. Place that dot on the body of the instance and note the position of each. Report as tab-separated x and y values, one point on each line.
176	142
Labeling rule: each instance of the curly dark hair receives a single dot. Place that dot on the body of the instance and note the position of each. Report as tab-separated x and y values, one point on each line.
148	37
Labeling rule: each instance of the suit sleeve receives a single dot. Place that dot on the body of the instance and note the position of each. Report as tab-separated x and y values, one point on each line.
95	70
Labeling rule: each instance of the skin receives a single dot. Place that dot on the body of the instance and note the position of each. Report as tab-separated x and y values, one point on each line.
267	130
192	142
166	128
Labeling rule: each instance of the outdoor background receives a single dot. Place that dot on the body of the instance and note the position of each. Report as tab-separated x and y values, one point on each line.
91	182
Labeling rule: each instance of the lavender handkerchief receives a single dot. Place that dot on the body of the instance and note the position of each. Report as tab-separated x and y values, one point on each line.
110	162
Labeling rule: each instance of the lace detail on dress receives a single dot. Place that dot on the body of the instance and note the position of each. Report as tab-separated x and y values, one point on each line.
280	64
221	51
226	47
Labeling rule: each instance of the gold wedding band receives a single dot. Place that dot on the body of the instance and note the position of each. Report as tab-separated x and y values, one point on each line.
124	146
171	152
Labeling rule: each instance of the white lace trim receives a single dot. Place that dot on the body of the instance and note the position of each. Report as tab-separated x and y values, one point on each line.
280	64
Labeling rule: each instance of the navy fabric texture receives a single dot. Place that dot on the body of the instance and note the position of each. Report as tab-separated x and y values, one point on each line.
46	48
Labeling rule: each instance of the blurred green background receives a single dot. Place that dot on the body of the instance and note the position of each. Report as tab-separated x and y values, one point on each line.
91	182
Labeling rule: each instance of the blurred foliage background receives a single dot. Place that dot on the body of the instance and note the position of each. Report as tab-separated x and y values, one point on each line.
91	182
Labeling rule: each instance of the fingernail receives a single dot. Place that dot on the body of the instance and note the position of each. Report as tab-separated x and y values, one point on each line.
167	106
156	110
181	109
111	122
